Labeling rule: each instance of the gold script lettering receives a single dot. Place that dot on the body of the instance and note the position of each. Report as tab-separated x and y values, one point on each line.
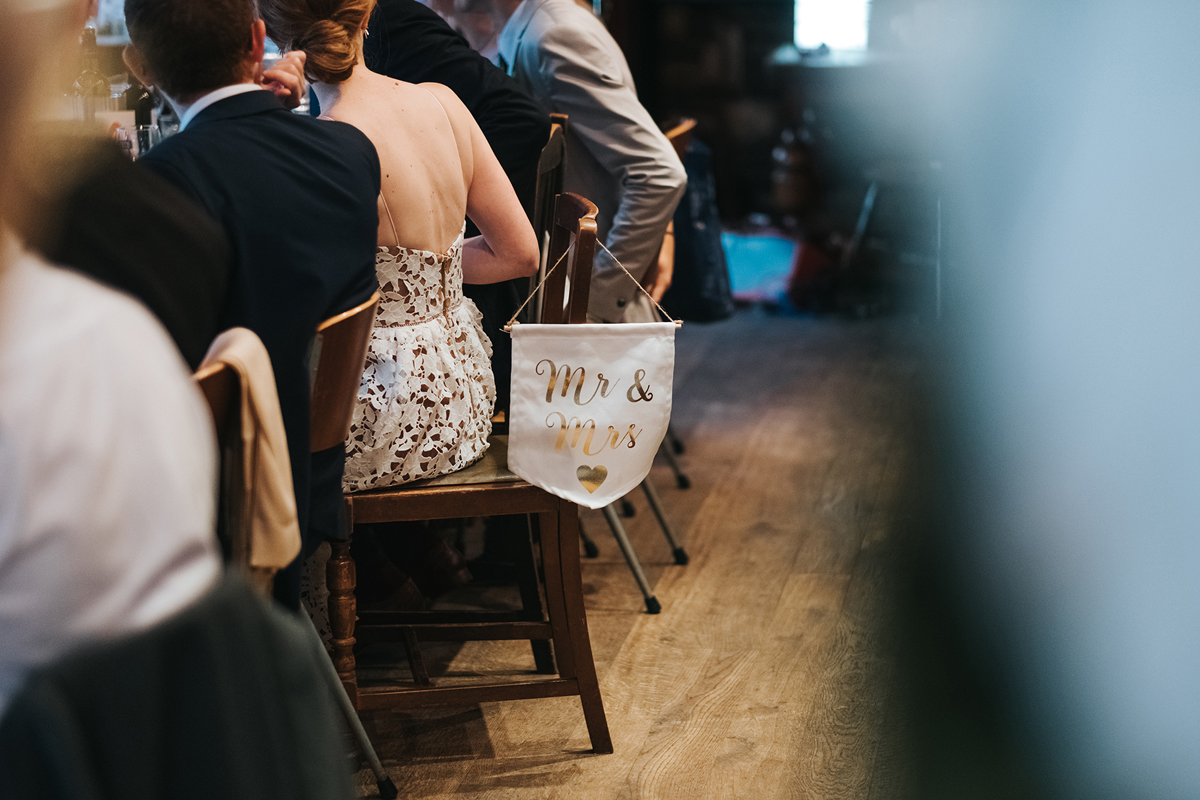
579	426
615	438
602	383
644	392
575	426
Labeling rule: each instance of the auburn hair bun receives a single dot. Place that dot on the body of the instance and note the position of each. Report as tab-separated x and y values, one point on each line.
326	31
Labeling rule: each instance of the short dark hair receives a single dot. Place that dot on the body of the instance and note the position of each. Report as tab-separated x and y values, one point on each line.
191	46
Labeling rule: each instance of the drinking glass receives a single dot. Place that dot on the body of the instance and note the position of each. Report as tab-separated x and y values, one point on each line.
125	139
147	137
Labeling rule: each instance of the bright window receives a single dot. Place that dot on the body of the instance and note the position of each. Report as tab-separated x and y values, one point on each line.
838	24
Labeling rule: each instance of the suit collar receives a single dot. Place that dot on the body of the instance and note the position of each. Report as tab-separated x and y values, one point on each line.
239	105
514	29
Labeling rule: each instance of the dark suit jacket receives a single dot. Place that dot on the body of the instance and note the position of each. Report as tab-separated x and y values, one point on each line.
224	700
134	231
297	200
412	43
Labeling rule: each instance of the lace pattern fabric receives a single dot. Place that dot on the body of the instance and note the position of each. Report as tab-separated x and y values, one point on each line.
427	393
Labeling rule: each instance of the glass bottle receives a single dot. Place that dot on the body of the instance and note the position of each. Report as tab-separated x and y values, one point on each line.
92	89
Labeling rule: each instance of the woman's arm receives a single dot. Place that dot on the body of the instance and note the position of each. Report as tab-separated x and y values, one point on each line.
507	247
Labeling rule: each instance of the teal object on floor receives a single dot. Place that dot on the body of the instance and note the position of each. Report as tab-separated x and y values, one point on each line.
759	264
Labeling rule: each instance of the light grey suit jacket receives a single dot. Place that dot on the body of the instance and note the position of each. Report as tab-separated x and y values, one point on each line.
616	156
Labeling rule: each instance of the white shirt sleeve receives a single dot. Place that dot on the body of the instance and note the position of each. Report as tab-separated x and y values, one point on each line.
107	469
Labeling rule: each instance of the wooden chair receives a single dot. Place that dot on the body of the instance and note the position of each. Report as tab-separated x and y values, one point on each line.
551	168
680	135
336	361
221	387
487	488
345	333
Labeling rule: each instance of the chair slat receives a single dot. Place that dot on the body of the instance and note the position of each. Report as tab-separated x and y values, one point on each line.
340	353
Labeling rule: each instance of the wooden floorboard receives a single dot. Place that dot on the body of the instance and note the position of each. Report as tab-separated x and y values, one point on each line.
766	675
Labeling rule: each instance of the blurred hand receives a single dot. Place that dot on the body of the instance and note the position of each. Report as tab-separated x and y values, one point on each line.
658	279
286	79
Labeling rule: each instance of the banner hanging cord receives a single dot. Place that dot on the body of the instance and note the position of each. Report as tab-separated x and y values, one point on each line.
513	320
638	284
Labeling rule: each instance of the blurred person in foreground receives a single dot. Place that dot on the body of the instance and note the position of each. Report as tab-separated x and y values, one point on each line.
616	155
1060	611
295	196
107	453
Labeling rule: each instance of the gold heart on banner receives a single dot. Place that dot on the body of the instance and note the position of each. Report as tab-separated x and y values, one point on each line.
591	477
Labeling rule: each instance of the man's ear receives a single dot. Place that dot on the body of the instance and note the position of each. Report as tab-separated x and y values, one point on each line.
258	38
137	65
257	46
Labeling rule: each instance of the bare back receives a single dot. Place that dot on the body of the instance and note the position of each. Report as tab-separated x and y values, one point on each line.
425	157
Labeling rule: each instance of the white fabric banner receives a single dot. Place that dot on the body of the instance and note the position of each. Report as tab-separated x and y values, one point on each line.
590	406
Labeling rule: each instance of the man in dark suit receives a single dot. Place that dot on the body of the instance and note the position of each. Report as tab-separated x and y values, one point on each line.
411	43
295	196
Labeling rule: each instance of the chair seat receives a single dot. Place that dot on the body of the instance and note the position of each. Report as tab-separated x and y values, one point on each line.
492	468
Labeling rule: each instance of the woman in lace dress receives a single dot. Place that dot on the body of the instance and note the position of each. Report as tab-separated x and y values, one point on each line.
425	403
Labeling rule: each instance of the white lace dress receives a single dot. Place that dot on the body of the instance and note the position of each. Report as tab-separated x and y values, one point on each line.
427	393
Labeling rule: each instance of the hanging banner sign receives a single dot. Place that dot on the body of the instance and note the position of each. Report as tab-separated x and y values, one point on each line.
590	406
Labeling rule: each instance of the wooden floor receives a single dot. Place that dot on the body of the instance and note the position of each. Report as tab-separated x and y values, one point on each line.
766	674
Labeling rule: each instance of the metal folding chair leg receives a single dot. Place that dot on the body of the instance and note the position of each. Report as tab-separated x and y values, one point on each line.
668	453
618	531
673	440
387	789
590	550
681	556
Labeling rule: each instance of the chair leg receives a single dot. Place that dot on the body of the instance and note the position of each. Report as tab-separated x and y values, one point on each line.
415	660
681	480
568	619
635	566
387	789
531	598
341	580
673	440
589	547
681	556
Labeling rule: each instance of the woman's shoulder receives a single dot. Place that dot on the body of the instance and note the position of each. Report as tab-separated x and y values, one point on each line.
454	107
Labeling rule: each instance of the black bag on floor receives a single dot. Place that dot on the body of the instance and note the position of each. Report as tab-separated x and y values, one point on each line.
700	290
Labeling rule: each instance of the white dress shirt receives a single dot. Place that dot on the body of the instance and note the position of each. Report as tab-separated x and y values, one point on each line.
107	468
214	96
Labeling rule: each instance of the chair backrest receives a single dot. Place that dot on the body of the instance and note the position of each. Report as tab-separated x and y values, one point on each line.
336	361
567	301
551	168
680	136
221	387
